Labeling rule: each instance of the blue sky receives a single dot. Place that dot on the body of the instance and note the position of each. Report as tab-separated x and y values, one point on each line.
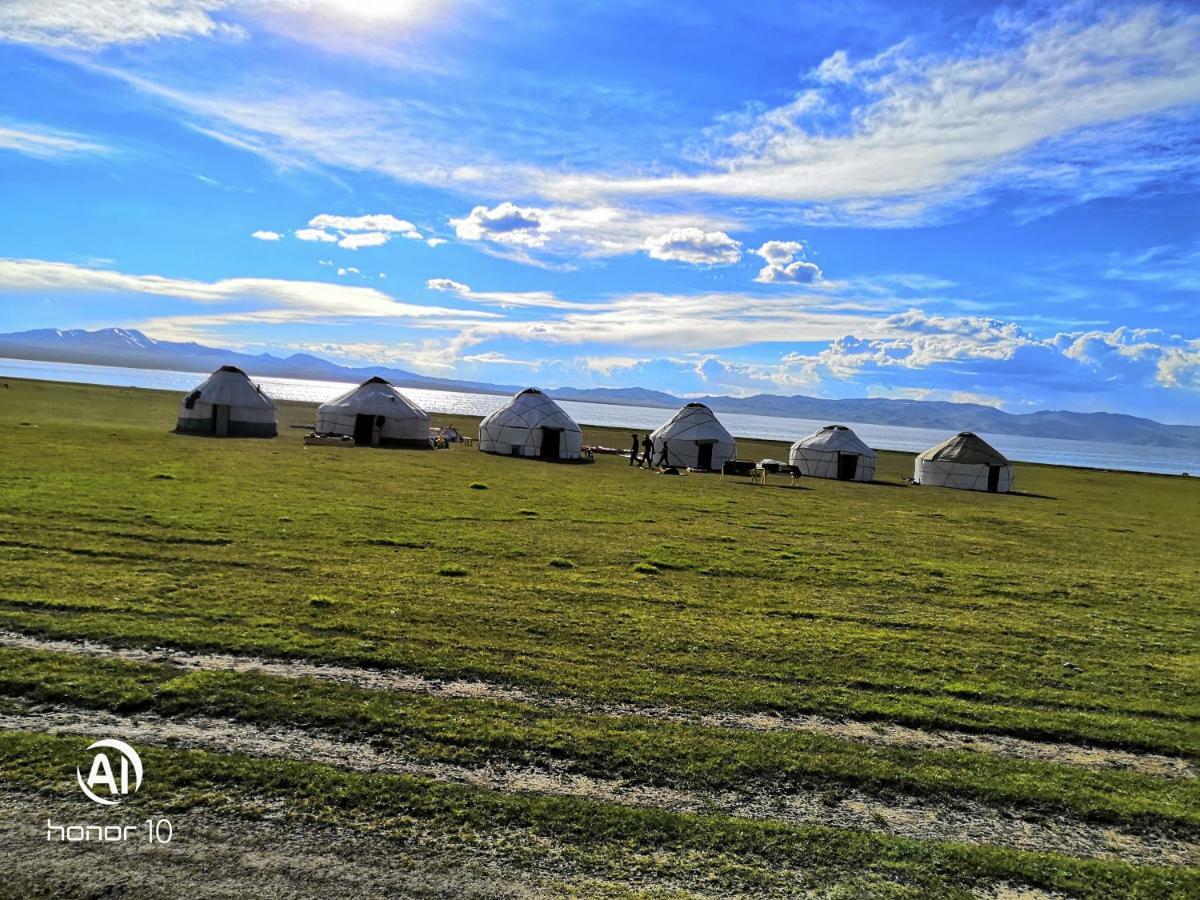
950	201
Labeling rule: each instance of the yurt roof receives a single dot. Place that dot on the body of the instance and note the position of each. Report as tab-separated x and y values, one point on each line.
531	408
376	397
230	386
965	448
695	421
835	437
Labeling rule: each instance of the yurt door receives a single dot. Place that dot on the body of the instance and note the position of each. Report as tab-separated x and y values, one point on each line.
550	440
220	420
364	428
704	456
993	479
847	466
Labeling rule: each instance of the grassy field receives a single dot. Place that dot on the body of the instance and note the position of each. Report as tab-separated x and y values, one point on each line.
618	621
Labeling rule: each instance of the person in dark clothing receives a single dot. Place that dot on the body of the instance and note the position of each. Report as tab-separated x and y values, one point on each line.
664	459
633	450
647	452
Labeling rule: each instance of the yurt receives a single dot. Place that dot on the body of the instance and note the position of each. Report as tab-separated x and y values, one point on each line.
834	452
531	424
693	438
375	414
965	461
228	404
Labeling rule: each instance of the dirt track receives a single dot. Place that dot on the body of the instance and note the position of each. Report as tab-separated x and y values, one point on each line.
959	820
861	731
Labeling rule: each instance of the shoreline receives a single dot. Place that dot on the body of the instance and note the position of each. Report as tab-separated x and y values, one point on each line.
466	416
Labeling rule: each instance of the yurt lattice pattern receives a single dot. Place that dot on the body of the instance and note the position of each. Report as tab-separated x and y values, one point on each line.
693	438
834	452
531	425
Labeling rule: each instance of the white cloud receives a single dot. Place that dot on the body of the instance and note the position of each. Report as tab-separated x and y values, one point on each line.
495	358
45	143
675	323
281	301
447	284
1179	367
606	365
785	264
266	235
695	246
356	232
89	24
94	24
380	222
435	241
365	239
935	128
987	348
431	356
507	223
504	299
316	234
591	231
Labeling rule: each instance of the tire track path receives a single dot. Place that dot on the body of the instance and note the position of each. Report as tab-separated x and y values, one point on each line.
866	732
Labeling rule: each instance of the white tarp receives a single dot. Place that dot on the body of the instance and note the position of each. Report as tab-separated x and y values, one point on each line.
691	433
529	422
227	404
834	452
395	417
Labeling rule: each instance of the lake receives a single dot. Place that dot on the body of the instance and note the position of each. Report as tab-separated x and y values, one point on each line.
1091	454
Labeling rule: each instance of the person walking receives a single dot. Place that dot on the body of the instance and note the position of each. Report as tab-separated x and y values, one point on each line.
664	460
633	450
647	453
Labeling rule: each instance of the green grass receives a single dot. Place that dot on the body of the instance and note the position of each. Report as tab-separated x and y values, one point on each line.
1071	612
634	749
729	854
1071	617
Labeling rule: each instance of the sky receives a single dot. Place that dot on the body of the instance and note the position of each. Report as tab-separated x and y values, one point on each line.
955	201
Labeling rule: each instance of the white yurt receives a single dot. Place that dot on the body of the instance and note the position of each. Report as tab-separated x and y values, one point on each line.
374	414
834	452
965	461
228	404
531	424
693	438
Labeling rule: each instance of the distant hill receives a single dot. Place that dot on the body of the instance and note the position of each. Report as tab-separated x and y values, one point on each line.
132	349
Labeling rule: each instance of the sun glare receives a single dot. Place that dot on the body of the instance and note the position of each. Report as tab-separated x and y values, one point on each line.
372	11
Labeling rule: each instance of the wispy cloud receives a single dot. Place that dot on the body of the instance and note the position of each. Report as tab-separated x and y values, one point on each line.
46	143
927	129
89	24
278	301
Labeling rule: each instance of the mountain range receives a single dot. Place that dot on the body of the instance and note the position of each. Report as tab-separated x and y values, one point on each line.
132	349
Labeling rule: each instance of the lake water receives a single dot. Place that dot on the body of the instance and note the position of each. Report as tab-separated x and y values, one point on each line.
884	437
